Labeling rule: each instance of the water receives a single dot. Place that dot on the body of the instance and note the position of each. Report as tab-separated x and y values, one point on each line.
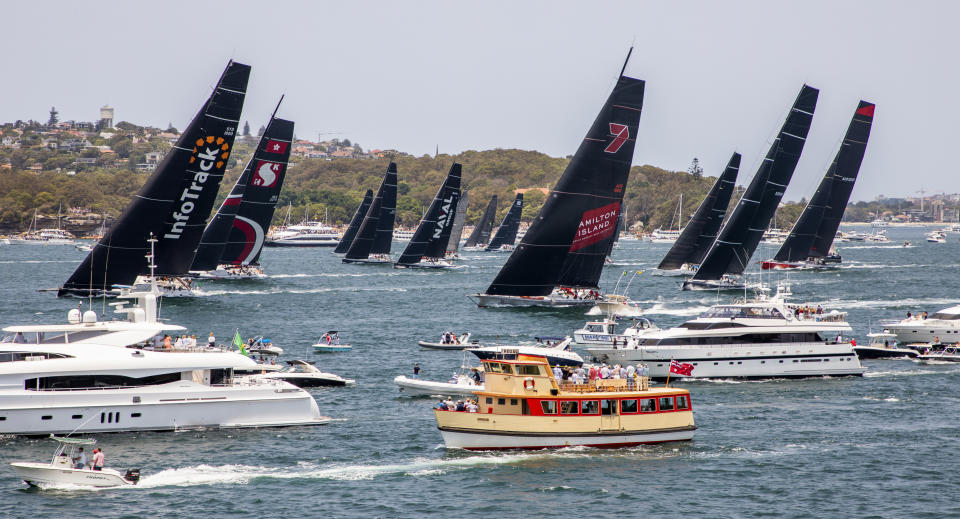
877	446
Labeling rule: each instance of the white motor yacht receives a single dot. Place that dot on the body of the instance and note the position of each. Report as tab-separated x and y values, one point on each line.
665	235
921	328
306	234
90	375
936	237
463	386
402	235
605	332
556	350
762	338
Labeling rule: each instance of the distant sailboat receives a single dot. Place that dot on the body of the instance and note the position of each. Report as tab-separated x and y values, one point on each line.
428	246
810	241
453	244
480	237
355	222
506	234
375	236
559	260
174	203
741	234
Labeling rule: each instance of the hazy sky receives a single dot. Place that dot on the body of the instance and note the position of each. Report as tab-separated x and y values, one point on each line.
517	74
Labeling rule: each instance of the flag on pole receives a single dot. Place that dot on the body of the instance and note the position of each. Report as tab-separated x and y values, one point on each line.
238	342
681	368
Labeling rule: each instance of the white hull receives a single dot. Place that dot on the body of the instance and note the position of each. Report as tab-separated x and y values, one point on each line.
782	360
507	440
554	356
420	387
44	474
221	273
369	261
920	331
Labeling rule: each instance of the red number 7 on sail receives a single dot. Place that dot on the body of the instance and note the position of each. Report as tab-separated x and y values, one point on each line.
622	134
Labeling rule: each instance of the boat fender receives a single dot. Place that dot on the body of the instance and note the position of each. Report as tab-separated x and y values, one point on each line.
528	383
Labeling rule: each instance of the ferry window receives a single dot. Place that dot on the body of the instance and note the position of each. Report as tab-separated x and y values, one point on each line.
590	407
489	400
513	401
666	403
647	405
502	401
569	407
528	370
628	406
524	407
548	406
608	407
682	402
506	368
493	367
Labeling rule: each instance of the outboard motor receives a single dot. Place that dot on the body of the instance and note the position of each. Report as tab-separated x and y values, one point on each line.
132	475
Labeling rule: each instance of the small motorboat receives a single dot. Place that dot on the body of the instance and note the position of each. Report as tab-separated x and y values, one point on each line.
884	346
302	373
454	343
940	352
936	237
261	345
62	468
555	349
330	342
463	385
84	247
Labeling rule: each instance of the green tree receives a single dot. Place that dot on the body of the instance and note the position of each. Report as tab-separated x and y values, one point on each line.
246	128
54	116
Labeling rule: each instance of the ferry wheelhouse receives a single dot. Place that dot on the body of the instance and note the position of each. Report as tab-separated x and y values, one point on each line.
522	406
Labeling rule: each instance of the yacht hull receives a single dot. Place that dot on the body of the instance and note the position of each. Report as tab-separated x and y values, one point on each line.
420	387
37	474
501	440
879	352
487	300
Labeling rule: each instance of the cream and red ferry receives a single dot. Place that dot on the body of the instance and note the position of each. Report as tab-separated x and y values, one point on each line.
523	407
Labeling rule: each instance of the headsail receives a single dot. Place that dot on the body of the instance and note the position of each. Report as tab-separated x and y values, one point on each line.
269	166
741	234
174	202
355	222
507	232
569	239
458	221
701	230
376	230
430	238
483	229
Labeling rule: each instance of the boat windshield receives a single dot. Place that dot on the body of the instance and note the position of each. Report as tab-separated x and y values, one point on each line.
746	312
945	316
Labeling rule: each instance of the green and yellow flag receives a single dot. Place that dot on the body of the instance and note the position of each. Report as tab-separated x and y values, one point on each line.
238	342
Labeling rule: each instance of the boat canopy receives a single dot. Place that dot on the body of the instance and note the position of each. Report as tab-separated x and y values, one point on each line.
74	441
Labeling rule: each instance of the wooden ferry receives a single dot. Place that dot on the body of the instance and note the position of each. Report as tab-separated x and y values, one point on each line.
523	407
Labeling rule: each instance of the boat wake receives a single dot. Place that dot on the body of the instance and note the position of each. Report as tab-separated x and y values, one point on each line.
907	373
919	303
660	309
214	293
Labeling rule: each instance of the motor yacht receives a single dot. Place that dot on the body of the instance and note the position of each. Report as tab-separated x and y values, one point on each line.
765	337
555	349
605	332
306	234
921	328
664	235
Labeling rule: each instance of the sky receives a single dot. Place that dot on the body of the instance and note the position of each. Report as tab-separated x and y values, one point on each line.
476	75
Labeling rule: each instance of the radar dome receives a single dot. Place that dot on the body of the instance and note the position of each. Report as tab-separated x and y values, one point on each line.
89	316
73	316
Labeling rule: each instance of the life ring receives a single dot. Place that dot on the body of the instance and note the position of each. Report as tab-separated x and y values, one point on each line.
528	383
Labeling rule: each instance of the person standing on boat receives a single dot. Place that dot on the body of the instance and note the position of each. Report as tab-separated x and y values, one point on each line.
81	460
416	370
98	459
211	341
166	342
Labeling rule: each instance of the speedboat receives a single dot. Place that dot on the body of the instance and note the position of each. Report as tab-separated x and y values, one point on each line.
463	385
62	469
920	328
330	342
555	349
941	353
302	373
765	337
263	346
936	237
605	332
884	346
454	344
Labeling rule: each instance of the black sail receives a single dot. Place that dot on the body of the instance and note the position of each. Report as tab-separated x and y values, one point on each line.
269	167
214	238
507	232
741	234
453	245
846	167
355	222
430	238
375	234
483	229
569	239
701	230
797	245
186	180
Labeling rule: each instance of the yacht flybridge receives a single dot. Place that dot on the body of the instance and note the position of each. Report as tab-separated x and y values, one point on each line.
763	338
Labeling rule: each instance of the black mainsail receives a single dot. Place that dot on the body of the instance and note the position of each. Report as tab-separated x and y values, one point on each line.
246	238
175	201
484	228
701	230
569	239
507	232
433	232
739	237
453	245
355	222
375	234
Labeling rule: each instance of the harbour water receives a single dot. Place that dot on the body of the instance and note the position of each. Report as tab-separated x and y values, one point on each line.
878	446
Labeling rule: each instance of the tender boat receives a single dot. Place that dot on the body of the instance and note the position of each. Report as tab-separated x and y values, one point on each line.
522	406
62	468
330	342
941	353
302	373
605	332
766	337
463	385
459	343
884	346
555	349
920	328
263	346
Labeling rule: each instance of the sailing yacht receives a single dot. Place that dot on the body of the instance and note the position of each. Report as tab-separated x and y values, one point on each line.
559	261
374	237
354	225
741	234
670	235
427	248
810	242
478	239
459	220
506	234
35	236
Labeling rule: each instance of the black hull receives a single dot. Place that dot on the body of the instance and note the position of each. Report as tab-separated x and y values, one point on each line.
868	352
313	382
554	361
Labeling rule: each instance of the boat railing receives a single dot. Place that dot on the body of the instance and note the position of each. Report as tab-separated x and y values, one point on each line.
832	317
608	385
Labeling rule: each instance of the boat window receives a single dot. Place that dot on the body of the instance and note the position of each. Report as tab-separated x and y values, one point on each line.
489	400
14	356
527	369
524	407
501	401
647	405
666	403
548	406
595	328
513	401
69	382
506	368
221	377
628	406
569	407
945	316
683	402
590	407
608	407
493	367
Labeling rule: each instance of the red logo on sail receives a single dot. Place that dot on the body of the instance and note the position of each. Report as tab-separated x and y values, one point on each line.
276	146
266	173
596	225
622	133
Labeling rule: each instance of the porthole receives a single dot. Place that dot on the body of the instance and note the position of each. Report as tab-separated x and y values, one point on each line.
134	415
46	417
77	416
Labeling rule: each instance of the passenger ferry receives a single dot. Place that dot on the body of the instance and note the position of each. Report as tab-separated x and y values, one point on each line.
523	407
